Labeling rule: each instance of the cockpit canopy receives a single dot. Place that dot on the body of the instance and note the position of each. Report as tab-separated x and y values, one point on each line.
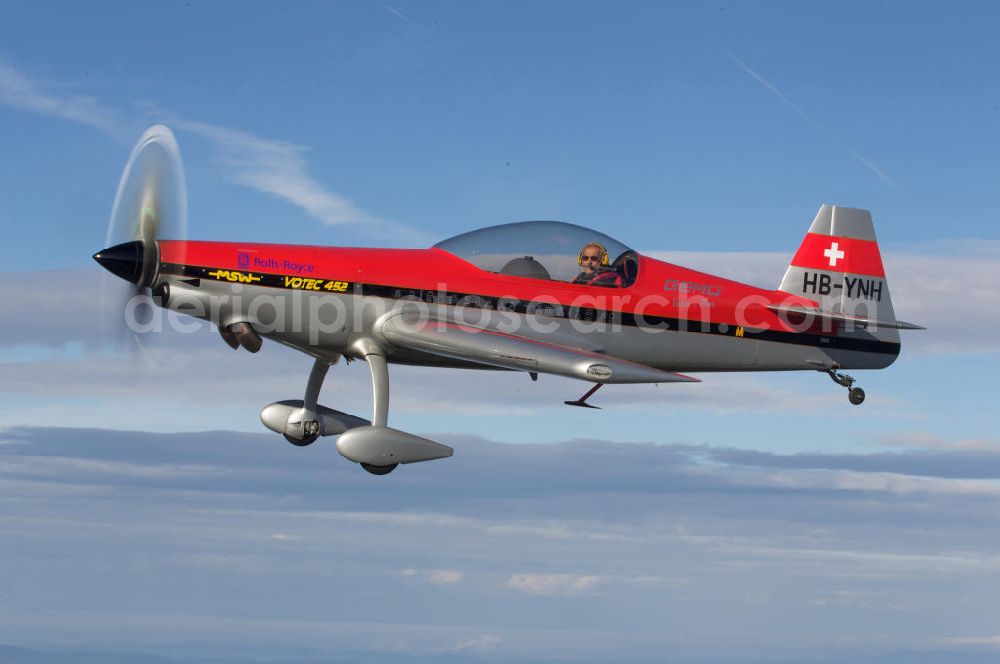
539	250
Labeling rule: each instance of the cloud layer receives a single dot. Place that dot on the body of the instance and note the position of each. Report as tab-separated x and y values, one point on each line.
574	550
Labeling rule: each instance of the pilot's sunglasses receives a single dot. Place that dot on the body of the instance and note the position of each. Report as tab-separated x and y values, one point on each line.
591	258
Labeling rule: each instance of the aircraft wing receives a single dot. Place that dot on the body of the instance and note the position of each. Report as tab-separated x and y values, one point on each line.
508	351
841	318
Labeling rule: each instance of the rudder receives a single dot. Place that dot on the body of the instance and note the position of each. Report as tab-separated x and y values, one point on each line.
839	265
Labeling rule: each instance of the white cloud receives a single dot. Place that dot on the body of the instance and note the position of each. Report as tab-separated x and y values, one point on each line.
436	577
894	483
559	585
270	166
861	599
29	94
855	559
922	439
760	268
54	466
990	640
280	169
564	530
481	643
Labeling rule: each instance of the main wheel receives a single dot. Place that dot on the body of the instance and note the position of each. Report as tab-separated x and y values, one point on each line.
856	396
301	442
379	470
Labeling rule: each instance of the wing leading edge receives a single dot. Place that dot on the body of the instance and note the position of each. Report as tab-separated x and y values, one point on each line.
508	351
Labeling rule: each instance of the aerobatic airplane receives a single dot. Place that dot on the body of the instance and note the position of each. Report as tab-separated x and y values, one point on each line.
537	297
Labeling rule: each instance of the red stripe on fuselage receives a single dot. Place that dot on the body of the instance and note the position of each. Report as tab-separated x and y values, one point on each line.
839	254
661	289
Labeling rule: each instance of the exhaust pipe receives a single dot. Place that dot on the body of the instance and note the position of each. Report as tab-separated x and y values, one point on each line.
243	335
229	337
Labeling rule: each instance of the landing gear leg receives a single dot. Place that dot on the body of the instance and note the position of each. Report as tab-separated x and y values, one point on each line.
854	394
380	404
380	389
310	422
376	446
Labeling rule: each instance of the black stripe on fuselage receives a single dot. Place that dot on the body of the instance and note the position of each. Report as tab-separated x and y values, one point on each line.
533	307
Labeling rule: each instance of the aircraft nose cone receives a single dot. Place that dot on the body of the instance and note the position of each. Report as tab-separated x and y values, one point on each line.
123	260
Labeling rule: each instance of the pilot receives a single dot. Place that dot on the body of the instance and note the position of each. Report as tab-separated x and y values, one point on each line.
594	267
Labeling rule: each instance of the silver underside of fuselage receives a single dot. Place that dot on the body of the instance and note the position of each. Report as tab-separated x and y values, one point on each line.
329	325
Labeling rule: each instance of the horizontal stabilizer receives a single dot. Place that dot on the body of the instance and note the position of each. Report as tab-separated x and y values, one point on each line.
842	319
508	351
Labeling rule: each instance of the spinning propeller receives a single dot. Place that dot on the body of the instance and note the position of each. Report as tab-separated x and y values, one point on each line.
151	202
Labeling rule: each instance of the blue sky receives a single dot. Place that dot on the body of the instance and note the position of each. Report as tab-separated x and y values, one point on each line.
707	134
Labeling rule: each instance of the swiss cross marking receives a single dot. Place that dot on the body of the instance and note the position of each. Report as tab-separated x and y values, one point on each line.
834	254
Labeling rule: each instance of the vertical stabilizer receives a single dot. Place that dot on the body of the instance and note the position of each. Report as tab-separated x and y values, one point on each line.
839	266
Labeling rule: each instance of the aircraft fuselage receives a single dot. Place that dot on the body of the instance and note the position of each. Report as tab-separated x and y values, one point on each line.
326	300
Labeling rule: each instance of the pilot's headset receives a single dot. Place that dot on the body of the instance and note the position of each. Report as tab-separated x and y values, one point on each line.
604	253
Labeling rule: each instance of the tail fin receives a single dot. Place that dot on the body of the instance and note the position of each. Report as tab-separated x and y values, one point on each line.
839	266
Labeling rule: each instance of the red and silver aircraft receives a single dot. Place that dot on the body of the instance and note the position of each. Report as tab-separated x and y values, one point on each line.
537	297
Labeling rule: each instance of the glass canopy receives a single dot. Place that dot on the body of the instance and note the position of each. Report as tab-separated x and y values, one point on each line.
539	250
